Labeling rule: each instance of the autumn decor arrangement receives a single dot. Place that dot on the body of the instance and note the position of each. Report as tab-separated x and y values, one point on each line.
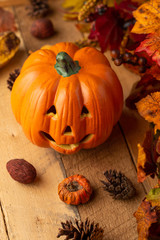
67	97
130	30
74	190
73	104
81	231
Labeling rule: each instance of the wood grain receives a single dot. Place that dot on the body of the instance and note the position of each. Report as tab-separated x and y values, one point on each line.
3	227
64	31
6	3
116	217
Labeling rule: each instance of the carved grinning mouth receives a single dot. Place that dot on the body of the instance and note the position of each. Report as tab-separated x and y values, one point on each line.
67	146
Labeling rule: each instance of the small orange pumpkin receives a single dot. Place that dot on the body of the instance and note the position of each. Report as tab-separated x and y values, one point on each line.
74	190
67	98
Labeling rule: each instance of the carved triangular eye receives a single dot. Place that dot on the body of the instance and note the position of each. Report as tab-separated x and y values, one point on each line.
52	109
85	112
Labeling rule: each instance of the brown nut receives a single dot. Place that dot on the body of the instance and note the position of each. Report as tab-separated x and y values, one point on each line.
42	28
21	170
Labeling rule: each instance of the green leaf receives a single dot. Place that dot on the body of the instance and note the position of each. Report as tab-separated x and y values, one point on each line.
154	194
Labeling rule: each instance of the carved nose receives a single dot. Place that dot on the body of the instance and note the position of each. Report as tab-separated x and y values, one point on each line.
67	131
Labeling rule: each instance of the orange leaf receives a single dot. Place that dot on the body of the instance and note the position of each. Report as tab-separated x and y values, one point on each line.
148	17
146	216
83	27
147	156
7	22
145	86
149	108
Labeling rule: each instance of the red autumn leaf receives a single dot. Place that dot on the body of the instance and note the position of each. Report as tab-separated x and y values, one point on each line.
7	22
151	45
107	29
125	8
146	216
145	86
147	156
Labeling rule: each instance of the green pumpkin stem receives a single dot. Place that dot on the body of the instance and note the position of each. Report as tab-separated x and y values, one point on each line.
65	65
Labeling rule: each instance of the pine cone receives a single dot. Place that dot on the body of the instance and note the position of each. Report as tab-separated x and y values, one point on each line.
12	78
82	231
118	185
38	8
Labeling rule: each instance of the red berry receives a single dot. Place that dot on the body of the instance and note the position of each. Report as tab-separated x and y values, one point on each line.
127	56
115	53
134	59
142	61
118	61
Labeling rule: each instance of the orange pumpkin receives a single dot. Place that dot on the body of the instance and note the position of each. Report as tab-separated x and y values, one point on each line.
67	98
74	190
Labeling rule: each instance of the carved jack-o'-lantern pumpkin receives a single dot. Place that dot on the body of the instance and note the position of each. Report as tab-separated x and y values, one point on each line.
67	98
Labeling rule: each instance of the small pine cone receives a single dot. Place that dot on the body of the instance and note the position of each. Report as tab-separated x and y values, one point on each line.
118	185
82	231
12	78
38	8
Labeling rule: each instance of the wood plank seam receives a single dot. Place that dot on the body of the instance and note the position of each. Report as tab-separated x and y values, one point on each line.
4	219
129	151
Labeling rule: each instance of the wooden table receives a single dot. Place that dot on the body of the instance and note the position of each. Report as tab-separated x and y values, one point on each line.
34	212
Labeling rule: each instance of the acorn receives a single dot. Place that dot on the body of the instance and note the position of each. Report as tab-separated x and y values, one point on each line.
42	28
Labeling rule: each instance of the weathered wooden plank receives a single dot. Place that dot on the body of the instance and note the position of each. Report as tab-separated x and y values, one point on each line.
64	31
8	3
116	217
31	211
3	227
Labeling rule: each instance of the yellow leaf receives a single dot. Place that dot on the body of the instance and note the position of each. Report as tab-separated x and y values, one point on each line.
9	45
148	17
72	8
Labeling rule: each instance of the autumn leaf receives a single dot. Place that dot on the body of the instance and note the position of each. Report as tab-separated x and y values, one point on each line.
7	22
126	8
107	30
147	84
147	155
72	8
148	17
154	195
83	27
155	71
151	45
146	216
149	108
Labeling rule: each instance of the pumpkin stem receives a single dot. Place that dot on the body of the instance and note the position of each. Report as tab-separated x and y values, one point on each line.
65	65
